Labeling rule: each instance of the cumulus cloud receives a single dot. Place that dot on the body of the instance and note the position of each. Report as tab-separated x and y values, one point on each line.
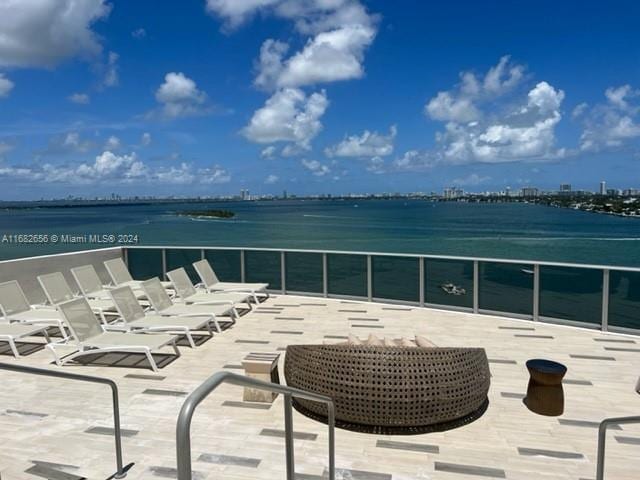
111	168
488	120
145	139
416	160
79	98
288	116
6	86
42	33
271	179
369	144
309	16
315	167
180	97
328	57
614	123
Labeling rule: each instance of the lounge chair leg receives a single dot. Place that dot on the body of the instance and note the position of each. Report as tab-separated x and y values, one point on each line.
12	345
46	335
152	362
175	349
217	325
192	344
52	349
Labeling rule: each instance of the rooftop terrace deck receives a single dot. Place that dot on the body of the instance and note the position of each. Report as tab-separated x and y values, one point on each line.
68	423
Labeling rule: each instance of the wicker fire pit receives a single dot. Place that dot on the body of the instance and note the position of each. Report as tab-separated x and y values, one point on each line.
391	390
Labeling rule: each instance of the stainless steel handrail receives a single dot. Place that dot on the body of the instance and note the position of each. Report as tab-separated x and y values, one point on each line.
183	426
602	437
121	471
391	254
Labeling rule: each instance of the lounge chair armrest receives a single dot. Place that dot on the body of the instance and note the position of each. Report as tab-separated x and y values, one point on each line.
213	302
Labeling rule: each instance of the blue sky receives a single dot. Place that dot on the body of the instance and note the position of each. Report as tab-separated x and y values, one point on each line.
205	97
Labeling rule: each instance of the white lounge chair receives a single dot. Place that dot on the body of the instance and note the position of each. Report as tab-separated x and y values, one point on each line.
10	332
120	275
90	338
133	317
57	290
90	284
213	284
187	293
15	308
162	304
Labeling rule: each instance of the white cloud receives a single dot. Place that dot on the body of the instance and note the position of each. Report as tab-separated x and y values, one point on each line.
79	98
6	86
309	16
42	33
471	180
145	139
369	144
579	109
111	77
288	116
614	123
316	168
271	179
112	143
328	57
488	120
180	96
139	33
110	168
268	152
416	160
461	103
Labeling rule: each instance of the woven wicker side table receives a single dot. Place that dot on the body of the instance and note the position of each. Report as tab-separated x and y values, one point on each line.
263	366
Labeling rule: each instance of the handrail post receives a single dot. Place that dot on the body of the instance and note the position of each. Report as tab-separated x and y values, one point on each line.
164	264
283	272
605	300
421	280
476	286
243	275
325	276
369	278
288	432
536	292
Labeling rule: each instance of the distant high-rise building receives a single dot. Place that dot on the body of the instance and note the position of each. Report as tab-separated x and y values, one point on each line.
529	192
565	187
603	187
244	194
284	194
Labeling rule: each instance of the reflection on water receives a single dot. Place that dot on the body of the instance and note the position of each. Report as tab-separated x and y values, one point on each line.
545	395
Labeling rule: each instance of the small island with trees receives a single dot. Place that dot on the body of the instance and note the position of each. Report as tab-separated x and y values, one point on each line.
207	214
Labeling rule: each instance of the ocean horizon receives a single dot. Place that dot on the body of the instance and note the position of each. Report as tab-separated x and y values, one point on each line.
517	231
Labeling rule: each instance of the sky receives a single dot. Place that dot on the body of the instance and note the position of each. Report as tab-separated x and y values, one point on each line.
208	97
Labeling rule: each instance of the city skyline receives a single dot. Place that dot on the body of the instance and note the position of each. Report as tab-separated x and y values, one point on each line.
347	95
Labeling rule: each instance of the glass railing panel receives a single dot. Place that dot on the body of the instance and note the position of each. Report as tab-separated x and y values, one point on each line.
506	287
263	267
396	278
184	257
226	264
571	293
448	282
145	263
347	274
624	299
304	272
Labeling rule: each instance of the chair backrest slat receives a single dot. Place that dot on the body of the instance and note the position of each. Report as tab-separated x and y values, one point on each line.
156	294
181	283
80	319
87	279
56	288
12	298
126	304
206	273
118	271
